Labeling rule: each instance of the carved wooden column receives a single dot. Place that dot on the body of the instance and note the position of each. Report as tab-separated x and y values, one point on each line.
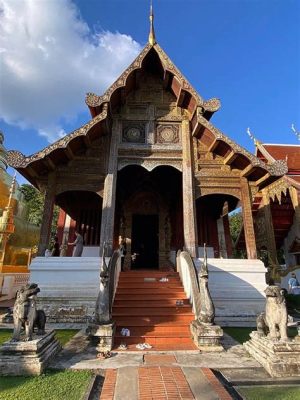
269	229
248	219
47	214
109	192
188	192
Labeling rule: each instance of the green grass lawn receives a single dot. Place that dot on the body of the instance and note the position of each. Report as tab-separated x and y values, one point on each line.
5	335
270	393
63	335
53	385
241	335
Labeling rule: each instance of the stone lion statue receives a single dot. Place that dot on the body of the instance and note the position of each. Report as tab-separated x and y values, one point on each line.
274	319
25	313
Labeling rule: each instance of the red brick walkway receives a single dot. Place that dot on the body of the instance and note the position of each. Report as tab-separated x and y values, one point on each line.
160	379
163	383
108	389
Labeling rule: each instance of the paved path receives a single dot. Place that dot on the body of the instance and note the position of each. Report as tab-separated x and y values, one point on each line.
147	375
162	382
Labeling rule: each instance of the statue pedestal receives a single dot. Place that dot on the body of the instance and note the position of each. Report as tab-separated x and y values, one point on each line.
103	335
279	358
206	337
28	358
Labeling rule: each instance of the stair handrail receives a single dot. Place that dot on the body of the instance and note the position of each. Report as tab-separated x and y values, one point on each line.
114	267
189	278
109	276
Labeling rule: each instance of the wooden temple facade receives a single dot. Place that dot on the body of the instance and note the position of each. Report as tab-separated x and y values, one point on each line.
150	169
276	208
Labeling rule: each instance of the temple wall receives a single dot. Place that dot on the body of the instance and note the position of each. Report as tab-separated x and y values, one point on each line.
69	286
237	289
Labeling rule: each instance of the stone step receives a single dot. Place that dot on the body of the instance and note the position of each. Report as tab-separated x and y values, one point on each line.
151	303
149	279
157	320
146	273
148	297
177	291
157	331
160	347
150	285
147	307
153	340
146	311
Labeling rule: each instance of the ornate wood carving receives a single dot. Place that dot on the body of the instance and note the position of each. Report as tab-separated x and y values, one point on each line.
188	193
276	189
149	164
219	172
92	100
109	193
167	134
17	160
278	168
47	214
248	219
264	228
133	132
217	190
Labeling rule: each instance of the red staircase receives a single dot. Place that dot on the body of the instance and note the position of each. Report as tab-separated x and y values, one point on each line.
147	307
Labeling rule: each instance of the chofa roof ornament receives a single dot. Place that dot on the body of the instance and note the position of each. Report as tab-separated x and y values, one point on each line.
151	39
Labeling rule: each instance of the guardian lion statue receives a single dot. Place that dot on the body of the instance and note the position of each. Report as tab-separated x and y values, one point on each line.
274	319
25	313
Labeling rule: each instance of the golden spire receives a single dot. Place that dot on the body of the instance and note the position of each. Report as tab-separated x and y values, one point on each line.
11	191
151	39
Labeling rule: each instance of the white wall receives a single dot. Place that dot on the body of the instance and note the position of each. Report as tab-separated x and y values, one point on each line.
237	288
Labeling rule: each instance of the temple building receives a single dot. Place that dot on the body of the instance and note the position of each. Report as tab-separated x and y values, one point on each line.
276	212
280	206
150	170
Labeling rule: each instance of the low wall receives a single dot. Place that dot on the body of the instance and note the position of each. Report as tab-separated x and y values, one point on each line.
69	286
11	282
237	289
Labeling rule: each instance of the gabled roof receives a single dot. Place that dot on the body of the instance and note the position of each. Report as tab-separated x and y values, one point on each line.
187	96
199	112
234	155
272	152
100	106
62	150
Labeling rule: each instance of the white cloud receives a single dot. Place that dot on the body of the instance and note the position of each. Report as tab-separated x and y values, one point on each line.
50	59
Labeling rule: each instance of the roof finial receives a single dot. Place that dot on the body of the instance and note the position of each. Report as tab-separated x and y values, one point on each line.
151	39
297	133
252	137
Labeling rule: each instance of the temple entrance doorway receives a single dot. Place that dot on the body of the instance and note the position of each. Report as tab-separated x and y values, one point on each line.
149	216
144	241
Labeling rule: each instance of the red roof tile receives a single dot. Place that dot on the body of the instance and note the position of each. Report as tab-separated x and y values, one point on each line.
281	152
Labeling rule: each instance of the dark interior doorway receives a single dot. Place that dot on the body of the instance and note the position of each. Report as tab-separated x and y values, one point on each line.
144	247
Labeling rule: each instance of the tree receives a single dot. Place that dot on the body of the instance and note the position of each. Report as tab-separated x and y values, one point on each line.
34	201
235	225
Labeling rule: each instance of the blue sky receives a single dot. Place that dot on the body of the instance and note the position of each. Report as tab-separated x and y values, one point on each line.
245	52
